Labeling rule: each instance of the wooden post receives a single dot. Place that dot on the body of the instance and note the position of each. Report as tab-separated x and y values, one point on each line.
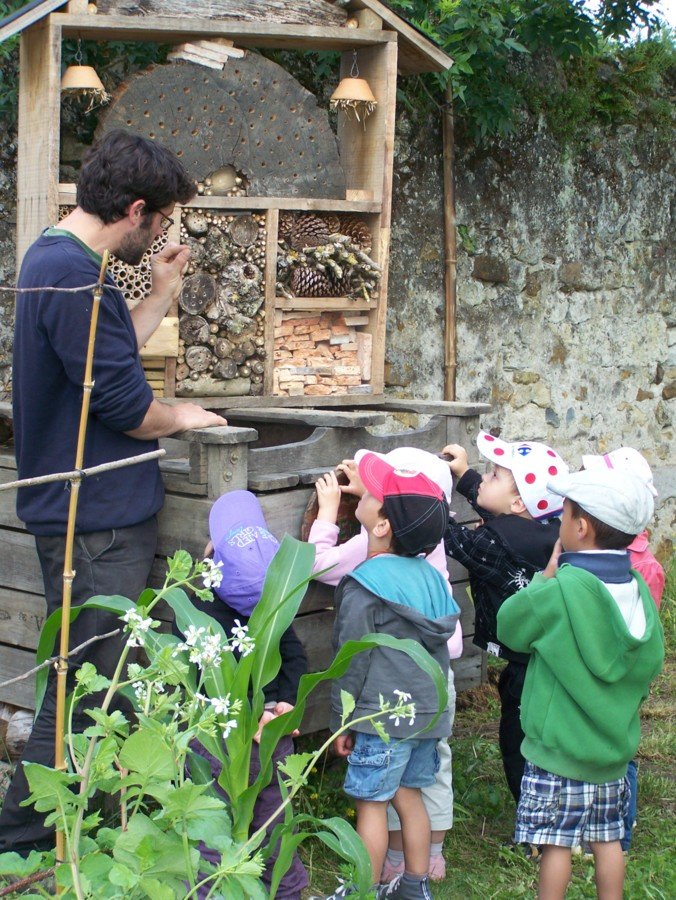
226	452
450	249
272	226
38	153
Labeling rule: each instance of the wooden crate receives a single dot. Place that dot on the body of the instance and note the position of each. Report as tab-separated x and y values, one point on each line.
276	452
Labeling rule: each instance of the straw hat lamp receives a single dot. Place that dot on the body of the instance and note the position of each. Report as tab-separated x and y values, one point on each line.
83	80
354	95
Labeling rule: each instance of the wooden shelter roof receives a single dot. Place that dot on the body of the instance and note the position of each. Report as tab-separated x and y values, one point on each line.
416	52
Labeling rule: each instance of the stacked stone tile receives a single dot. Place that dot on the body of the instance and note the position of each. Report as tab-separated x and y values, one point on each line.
321	353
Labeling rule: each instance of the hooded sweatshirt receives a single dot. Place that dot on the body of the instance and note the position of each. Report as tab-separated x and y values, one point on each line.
341	559
405	598
587	674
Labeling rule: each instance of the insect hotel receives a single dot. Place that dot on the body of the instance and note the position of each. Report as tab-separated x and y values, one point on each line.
281	320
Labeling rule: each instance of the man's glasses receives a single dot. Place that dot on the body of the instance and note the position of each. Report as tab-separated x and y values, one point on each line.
166	222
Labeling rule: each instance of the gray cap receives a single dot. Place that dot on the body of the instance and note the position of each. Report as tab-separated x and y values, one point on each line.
617	498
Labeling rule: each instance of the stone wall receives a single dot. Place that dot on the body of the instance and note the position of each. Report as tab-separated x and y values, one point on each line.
565	312
565	303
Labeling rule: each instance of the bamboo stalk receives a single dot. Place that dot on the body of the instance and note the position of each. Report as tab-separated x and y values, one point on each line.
68	573
79	474
450	249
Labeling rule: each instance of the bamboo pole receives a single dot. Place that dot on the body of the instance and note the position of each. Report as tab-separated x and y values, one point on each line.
68	573
450	248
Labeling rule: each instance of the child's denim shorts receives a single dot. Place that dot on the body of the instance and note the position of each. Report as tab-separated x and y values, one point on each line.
566	812
375	770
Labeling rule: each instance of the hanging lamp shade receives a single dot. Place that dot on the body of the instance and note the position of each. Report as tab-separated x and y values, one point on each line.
81	78
354	95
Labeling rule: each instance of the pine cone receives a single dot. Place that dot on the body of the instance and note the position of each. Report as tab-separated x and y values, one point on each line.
306	282
332	223
357	231
287	221
308	231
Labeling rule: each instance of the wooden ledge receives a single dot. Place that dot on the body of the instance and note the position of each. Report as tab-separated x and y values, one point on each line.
221	434
327	417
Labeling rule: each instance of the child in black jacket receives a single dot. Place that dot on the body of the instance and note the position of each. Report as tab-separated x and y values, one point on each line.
520	527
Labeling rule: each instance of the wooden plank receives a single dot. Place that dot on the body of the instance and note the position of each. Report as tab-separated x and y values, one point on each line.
201	201
469	670
272	227
23	20
38	150
330	418
164	341
22	616
330	303
417	52
20	566
274	481
301	12
165	30
13	662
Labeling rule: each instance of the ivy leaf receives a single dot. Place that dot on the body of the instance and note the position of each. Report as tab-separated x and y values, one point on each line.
149	756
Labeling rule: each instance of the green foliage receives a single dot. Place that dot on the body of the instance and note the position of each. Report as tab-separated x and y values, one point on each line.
194	691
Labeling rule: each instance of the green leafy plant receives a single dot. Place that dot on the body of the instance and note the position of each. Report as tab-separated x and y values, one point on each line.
191	691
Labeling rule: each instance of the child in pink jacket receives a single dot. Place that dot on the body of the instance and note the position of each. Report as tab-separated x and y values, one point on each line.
343	559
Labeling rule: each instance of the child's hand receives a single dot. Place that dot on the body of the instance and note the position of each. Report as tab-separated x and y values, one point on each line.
343	744
457	459
328	495
354	483
209	550
270	714
553	564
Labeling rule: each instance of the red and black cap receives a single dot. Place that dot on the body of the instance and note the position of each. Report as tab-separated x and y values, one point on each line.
415	506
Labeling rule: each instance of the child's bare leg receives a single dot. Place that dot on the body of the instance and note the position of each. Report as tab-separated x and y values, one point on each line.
609	863
396	841
415	829
372	829
555	871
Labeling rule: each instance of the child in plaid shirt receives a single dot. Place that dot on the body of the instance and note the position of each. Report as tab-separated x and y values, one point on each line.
595	643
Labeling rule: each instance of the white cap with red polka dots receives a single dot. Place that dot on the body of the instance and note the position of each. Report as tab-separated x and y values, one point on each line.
532	464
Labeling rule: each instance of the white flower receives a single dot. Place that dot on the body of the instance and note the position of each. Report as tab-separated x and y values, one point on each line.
227	728
192	635
212	576
221	705
241	640
144	690
137	626
403	696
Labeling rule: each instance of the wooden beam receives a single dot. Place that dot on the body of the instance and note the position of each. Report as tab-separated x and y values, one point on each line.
22	20
416	52
38	153
301	12
164	30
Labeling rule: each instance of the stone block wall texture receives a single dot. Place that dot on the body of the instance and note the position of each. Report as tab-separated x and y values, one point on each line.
565	303
566	317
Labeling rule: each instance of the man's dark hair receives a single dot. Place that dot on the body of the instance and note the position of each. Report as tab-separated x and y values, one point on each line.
123	167
605	536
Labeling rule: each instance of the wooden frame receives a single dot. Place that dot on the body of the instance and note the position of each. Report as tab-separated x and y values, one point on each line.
367	149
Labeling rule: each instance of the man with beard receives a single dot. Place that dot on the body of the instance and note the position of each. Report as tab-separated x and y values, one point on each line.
126	195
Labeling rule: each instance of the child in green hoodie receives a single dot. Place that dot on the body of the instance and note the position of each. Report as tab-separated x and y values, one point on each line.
595	644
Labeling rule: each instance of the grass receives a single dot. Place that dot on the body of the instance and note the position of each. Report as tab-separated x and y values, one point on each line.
484	810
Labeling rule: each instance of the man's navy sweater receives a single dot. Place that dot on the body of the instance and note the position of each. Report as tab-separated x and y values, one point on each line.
50	348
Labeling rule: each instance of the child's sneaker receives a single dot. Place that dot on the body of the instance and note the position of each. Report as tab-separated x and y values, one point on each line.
404	890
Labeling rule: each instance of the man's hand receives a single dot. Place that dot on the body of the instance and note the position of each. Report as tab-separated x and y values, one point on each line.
167	269
343	744
269	714
354	483
457	459
190	415
553	564
328	497
163	419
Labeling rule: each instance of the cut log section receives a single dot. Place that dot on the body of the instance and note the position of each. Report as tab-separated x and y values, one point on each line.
198	292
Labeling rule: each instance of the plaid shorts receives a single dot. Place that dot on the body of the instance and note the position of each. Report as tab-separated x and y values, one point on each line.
564	812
